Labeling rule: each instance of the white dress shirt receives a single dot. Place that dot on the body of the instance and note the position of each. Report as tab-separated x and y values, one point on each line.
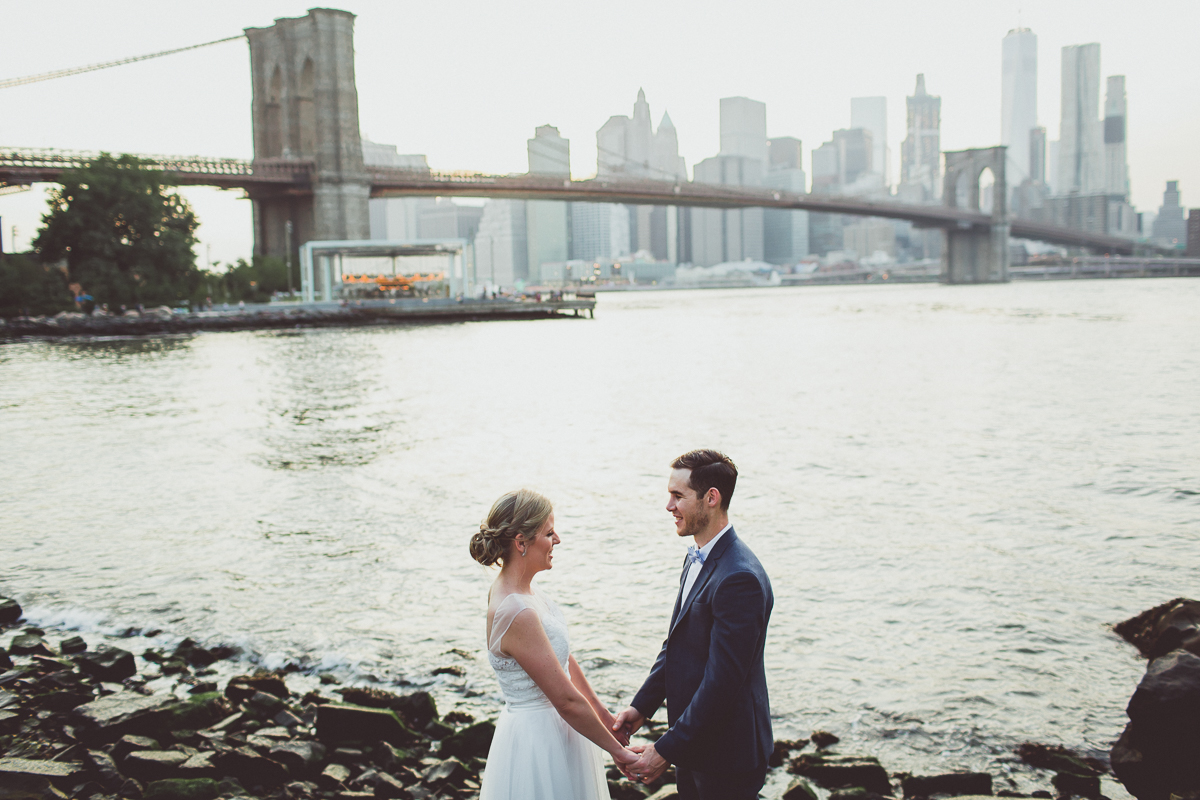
694	568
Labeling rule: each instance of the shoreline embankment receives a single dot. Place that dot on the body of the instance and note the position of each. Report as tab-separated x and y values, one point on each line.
195	723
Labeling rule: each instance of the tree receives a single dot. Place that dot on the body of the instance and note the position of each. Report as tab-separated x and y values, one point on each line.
29	287
123	238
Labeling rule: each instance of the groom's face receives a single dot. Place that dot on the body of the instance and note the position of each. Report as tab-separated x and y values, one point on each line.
691	512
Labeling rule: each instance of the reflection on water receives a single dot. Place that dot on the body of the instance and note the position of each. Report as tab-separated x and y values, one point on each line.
955	490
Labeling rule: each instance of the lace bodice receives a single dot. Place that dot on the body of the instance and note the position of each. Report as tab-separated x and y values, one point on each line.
516	685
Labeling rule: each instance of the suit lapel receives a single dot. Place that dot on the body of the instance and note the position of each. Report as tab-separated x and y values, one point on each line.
679	595
706	572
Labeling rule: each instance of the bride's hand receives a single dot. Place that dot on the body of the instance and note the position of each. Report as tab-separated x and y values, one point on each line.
625	758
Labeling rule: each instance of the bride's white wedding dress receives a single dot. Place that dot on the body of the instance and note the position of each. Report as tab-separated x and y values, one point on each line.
535	754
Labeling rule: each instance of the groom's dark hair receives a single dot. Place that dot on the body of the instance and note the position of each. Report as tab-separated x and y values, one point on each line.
710	469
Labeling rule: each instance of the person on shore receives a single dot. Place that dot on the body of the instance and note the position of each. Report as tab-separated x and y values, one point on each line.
710	670
553	727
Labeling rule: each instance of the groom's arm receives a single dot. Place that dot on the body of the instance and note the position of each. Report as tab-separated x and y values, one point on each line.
739	622
654	689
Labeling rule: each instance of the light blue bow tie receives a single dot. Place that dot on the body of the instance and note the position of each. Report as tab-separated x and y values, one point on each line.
694	554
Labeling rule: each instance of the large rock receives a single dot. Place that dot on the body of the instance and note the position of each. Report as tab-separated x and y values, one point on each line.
153	765
29	644
450	772
111	665
1159	753
182	789
953	784
1059	759
5	662
800	789
10	611
27	771
417	709
339	722
1173	625
837	772
109	718
1068	784
473	741
72	645
243	687
300	757
251	769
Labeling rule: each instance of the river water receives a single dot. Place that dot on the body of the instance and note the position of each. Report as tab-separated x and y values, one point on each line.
955	490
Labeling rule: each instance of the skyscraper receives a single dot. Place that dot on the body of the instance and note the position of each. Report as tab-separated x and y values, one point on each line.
1170	229
501	256
1116	169
744	128
1018	100
785	232
1037	154
1080	149
870	114
921	151
546	220
728	234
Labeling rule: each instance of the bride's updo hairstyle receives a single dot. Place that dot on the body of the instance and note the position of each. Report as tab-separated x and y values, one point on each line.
517	514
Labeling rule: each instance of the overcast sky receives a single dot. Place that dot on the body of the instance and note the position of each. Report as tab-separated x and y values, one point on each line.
467	82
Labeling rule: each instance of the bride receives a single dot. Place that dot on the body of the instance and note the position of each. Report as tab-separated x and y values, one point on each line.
549	735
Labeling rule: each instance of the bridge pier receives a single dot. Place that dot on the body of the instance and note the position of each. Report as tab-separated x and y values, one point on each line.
305	108
975	253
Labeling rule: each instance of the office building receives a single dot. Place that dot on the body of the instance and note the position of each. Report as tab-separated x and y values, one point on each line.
599	231
785	232
629	147
921	151
870	114
727	234
394	218
1037	154
867	238
1116	167
744	128
1018	101
1170	229
1193	233
501	251
547	234
449	220
1080	149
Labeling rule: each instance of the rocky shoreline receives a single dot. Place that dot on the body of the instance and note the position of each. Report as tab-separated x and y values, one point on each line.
78	723
323	315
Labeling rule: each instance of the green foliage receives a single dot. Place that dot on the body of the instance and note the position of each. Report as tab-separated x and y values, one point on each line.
254	281
28	287
124	240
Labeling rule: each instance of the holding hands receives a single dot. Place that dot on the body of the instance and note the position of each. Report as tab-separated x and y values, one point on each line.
640	762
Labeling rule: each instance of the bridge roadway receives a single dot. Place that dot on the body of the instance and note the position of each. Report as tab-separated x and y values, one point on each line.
20	166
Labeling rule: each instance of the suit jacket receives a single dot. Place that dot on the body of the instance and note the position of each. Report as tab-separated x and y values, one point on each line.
710	670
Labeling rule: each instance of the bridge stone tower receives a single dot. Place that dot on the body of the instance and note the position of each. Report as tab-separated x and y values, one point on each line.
305	108
972	254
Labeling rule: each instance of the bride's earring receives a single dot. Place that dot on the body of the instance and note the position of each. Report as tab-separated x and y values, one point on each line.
523	553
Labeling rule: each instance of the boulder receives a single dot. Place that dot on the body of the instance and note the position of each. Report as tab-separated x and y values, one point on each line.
103	766
300	757
29	644
128	744
111	717
1068	784
624	790
667	792
199	765
473	741
799	789
450	772
823	739
783	749
74	644
191	653
340	722
437	730
1159	752
5	662
837	772
182	789
153	765
953	784
1059	759
243	687
10	723
111	665
18	771
1173	625
389	788
334	776
10	611
417	709
251	769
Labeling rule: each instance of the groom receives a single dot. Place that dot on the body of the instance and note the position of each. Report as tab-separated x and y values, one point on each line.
710	670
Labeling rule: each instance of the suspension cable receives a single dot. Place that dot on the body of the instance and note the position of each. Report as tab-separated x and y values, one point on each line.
63	73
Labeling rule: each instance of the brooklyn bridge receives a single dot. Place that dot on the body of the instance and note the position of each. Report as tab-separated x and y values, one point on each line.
308	173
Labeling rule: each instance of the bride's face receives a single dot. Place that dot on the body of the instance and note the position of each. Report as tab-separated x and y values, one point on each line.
539	551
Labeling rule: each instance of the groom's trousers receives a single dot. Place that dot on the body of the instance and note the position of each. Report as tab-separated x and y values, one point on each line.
693	785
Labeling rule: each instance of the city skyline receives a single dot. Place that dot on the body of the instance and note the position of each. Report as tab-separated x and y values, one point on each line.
803	99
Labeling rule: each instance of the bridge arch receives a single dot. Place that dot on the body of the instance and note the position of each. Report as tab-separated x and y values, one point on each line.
985	185
305	143
274	115
976	254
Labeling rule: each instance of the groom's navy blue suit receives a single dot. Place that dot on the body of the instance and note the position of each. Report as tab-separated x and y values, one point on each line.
710	672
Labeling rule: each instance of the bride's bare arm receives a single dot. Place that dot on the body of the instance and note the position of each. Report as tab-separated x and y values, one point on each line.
585	688
526	641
